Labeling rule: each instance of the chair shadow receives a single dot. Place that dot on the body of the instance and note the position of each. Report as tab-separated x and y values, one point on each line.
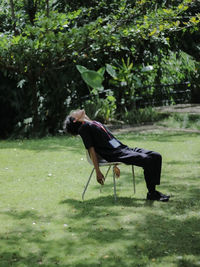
106	201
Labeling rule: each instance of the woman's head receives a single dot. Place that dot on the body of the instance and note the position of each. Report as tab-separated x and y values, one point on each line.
71	126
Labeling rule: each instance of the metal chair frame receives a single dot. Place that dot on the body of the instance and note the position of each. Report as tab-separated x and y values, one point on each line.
103	163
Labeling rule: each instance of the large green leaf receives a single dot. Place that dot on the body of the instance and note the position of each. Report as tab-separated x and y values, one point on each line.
111	71
81	69
101	71
93	79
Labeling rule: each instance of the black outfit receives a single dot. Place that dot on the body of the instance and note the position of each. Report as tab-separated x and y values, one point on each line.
96	135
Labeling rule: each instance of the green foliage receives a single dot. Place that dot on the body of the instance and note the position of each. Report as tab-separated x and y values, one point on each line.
175	66
41	42
10	109
102	109
92	78
125	81
142	115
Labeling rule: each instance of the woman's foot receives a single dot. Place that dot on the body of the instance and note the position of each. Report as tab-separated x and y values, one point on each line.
156	195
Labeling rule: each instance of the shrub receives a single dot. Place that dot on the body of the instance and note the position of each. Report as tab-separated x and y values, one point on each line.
142	115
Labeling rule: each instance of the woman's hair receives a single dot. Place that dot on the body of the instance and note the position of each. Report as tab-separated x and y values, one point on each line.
71	127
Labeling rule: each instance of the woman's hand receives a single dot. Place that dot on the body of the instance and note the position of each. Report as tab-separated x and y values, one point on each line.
99	174
116	171
100	178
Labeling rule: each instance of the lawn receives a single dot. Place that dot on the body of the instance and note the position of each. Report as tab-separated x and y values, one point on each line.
45	223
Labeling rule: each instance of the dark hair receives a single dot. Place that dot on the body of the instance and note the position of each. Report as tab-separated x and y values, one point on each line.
71	127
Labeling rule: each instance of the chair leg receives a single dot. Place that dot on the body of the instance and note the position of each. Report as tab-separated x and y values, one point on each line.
114	182
105	177
87	184
133	179
107	171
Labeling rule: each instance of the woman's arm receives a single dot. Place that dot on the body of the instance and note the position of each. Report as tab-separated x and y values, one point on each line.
100	177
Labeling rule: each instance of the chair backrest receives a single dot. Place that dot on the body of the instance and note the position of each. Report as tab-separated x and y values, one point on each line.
100	159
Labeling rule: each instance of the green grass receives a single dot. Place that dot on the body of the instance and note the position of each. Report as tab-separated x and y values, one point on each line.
45	223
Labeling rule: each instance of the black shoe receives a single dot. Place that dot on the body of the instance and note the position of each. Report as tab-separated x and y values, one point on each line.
163	195
157	196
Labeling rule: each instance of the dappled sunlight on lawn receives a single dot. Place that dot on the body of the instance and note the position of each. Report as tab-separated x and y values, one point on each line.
45	223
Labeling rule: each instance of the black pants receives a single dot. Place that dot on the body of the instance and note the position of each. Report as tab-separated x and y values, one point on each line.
150	161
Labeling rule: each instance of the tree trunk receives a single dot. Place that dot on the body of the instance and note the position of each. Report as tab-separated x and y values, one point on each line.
31	9
13	15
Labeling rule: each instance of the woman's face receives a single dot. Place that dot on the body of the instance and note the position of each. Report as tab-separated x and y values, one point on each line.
79	115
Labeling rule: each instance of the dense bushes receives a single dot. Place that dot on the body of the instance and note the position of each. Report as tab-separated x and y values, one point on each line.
42	43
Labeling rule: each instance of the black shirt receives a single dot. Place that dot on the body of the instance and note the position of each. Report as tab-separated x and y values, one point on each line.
96	135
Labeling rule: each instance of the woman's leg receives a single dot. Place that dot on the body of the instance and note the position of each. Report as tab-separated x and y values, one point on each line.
151	162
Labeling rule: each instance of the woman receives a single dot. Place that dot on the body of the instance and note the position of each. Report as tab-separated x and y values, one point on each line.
100	141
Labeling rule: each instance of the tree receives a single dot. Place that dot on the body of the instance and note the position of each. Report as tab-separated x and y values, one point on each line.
52	38
13	15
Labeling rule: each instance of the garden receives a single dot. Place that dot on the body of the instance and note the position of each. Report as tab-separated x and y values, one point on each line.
132	65
116	59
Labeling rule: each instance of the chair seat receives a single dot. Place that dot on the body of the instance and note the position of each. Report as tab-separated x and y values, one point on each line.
104	162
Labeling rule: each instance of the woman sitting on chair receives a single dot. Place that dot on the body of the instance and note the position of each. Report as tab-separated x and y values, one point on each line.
98	139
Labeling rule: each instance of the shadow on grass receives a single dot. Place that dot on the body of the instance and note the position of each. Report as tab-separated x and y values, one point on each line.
154	236
184	162
156	231
105	201
157	235
166	236
181	202
21	215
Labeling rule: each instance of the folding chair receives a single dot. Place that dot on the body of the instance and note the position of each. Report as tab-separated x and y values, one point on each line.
102	163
